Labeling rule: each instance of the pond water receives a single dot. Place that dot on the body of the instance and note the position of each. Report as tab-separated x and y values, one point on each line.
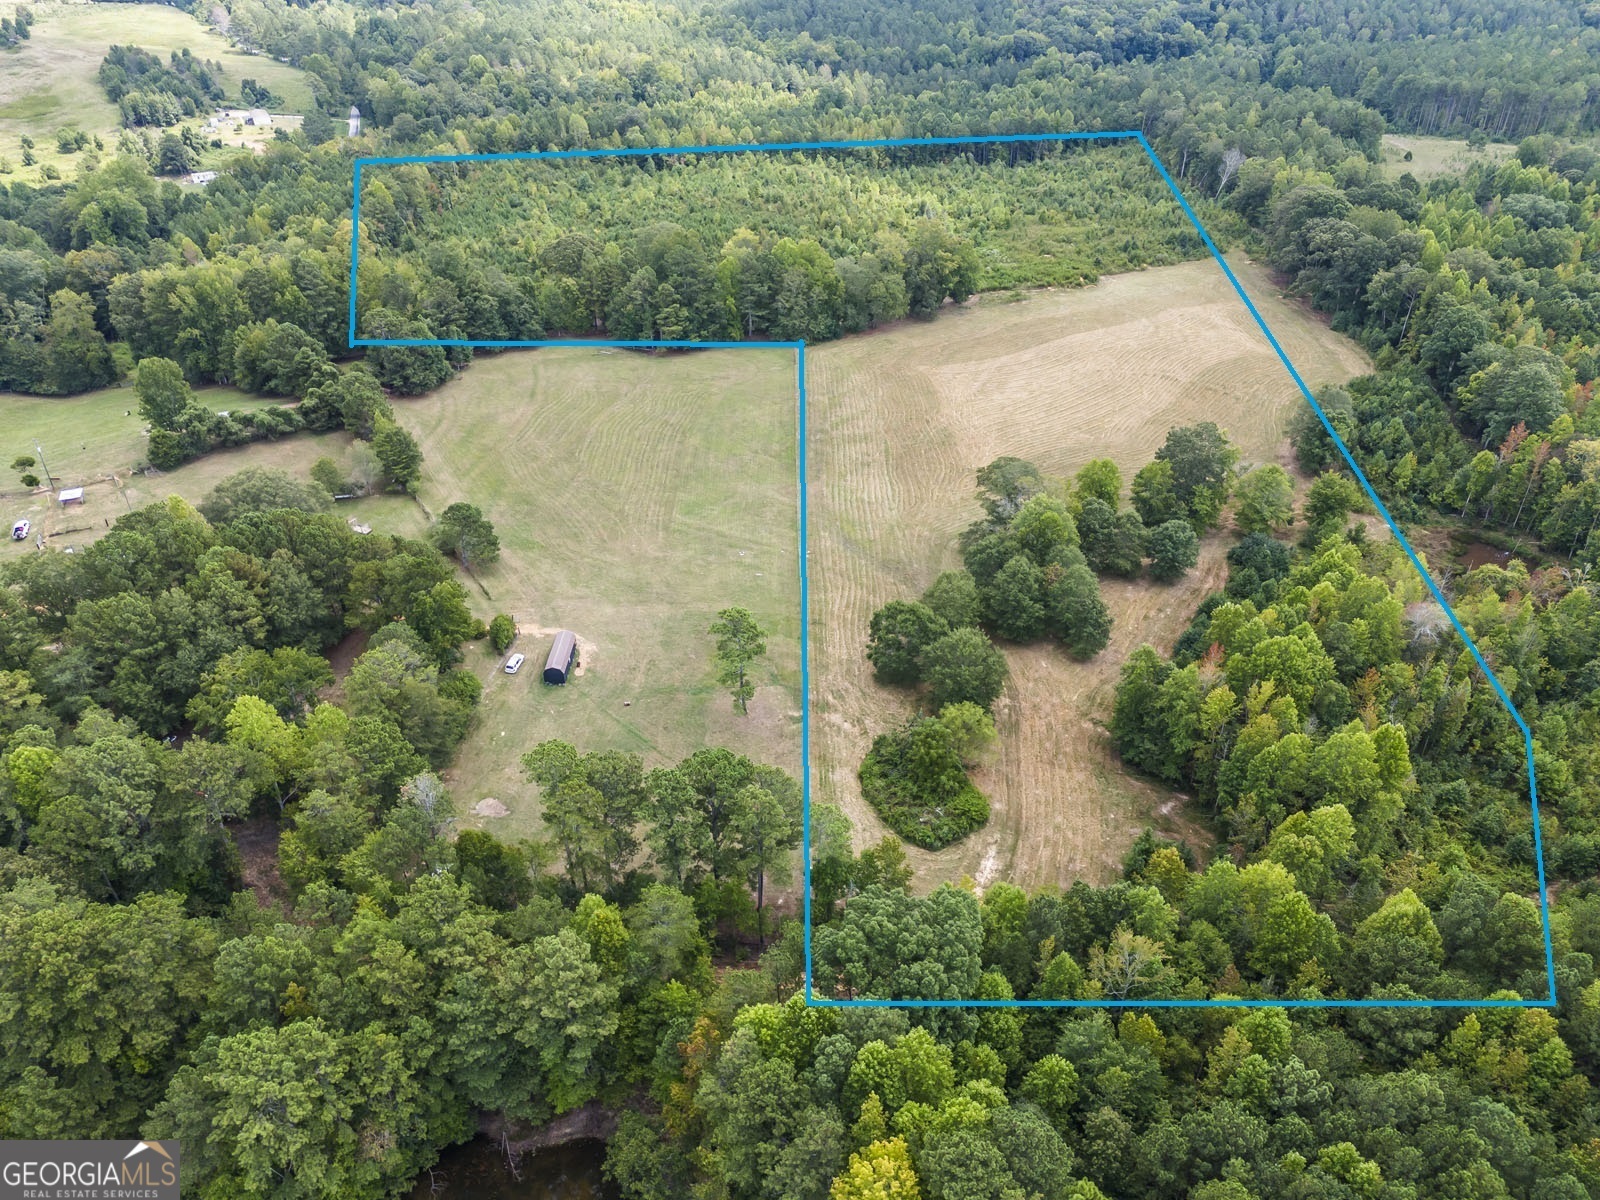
477	1170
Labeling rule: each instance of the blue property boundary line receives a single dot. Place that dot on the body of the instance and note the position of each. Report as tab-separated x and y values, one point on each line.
800	381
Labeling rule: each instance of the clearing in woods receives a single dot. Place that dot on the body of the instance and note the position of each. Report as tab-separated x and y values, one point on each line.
898	423
1433	156
634	495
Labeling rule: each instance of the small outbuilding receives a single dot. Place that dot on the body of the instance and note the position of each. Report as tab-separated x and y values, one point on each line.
258	116
563	657
71	495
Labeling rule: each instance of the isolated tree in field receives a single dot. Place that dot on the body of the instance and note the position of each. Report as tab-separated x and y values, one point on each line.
464	531
899	632
915	780
1265	500
162	391
398	455
740	641
963	665
502	631
1174	549
1077	614
1098	479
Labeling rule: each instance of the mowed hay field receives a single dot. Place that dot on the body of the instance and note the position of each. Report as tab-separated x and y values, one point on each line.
899	422
50	81
634	497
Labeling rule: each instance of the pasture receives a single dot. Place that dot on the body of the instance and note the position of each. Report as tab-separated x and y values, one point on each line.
634	497
899	421
95	441
49	82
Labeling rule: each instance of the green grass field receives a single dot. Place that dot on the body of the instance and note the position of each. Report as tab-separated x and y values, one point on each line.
1432	156
95	441
49	82
634	497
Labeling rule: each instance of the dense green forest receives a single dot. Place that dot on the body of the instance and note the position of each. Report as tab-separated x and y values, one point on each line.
168	689
785	245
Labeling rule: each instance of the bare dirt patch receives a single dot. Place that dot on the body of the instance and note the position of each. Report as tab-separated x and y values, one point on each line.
257	842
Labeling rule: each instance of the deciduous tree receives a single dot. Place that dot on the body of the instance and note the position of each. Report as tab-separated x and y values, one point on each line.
963	666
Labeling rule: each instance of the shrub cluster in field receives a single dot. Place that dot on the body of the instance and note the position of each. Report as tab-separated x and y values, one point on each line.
916	778
1030	565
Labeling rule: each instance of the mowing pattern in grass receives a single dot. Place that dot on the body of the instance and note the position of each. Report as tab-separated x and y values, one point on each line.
898	424
634	497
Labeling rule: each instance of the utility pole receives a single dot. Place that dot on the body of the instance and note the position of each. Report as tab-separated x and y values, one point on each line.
48	478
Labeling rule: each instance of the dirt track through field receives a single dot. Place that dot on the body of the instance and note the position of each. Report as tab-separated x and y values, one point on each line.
898	424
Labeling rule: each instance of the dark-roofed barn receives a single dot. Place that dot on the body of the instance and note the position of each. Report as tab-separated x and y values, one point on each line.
563	655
